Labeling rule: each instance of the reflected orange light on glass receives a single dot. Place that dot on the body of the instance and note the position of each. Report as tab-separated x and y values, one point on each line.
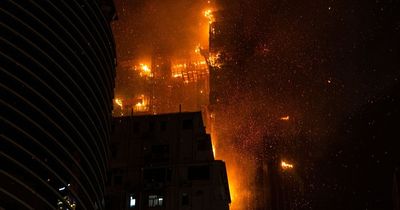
285	118
286	165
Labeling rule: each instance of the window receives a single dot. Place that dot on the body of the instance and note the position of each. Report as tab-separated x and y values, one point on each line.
132	201
113	149
199	173
187	124
156	200
160	149
136	127
204	145
151	126
117	180
185	199
160	152
163	125
154	175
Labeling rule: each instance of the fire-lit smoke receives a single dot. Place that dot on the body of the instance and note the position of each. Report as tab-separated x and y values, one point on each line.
174	26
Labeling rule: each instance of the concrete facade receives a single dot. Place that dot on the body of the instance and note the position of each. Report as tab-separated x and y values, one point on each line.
165	162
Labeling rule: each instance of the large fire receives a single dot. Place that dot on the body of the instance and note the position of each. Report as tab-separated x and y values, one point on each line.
189	71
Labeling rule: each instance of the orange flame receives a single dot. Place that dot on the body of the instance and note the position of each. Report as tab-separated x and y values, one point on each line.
119	102
286	166
285	118
144	70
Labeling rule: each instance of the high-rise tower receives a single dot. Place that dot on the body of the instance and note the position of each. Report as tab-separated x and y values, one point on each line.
57	79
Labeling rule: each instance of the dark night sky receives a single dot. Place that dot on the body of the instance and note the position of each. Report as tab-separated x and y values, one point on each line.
331	64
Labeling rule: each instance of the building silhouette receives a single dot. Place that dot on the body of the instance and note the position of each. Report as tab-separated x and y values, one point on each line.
57	79
165	162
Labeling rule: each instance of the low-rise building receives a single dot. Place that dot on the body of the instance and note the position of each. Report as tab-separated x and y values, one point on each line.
165	162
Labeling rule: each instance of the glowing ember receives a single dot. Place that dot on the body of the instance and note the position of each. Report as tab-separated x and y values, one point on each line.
285	165
285	118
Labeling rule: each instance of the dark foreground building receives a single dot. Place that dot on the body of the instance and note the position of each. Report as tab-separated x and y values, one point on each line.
57	79
165	162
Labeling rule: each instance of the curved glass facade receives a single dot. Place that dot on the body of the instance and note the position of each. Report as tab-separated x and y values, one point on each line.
57	80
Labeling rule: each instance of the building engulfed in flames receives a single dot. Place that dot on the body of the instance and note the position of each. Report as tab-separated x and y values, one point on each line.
200	80
164	85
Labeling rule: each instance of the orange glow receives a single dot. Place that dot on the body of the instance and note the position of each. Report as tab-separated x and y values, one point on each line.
285	165
190	71
213	149
119	102
237	179
285	118
236	175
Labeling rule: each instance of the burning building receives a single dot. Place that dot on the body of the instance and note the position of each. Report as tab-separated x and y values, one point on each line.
58	69
162	86
165	161
225	51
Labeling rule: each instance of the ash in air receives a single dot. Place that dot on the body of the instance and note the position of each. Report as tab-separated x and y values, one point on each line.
302	94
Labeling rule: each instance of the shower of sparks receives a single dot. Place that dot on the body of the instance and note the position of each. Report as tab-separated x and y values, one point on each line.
282	61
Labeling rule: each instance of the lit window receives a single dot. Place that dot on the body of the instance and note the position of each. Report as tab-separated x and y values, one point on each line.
132	201
156	200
